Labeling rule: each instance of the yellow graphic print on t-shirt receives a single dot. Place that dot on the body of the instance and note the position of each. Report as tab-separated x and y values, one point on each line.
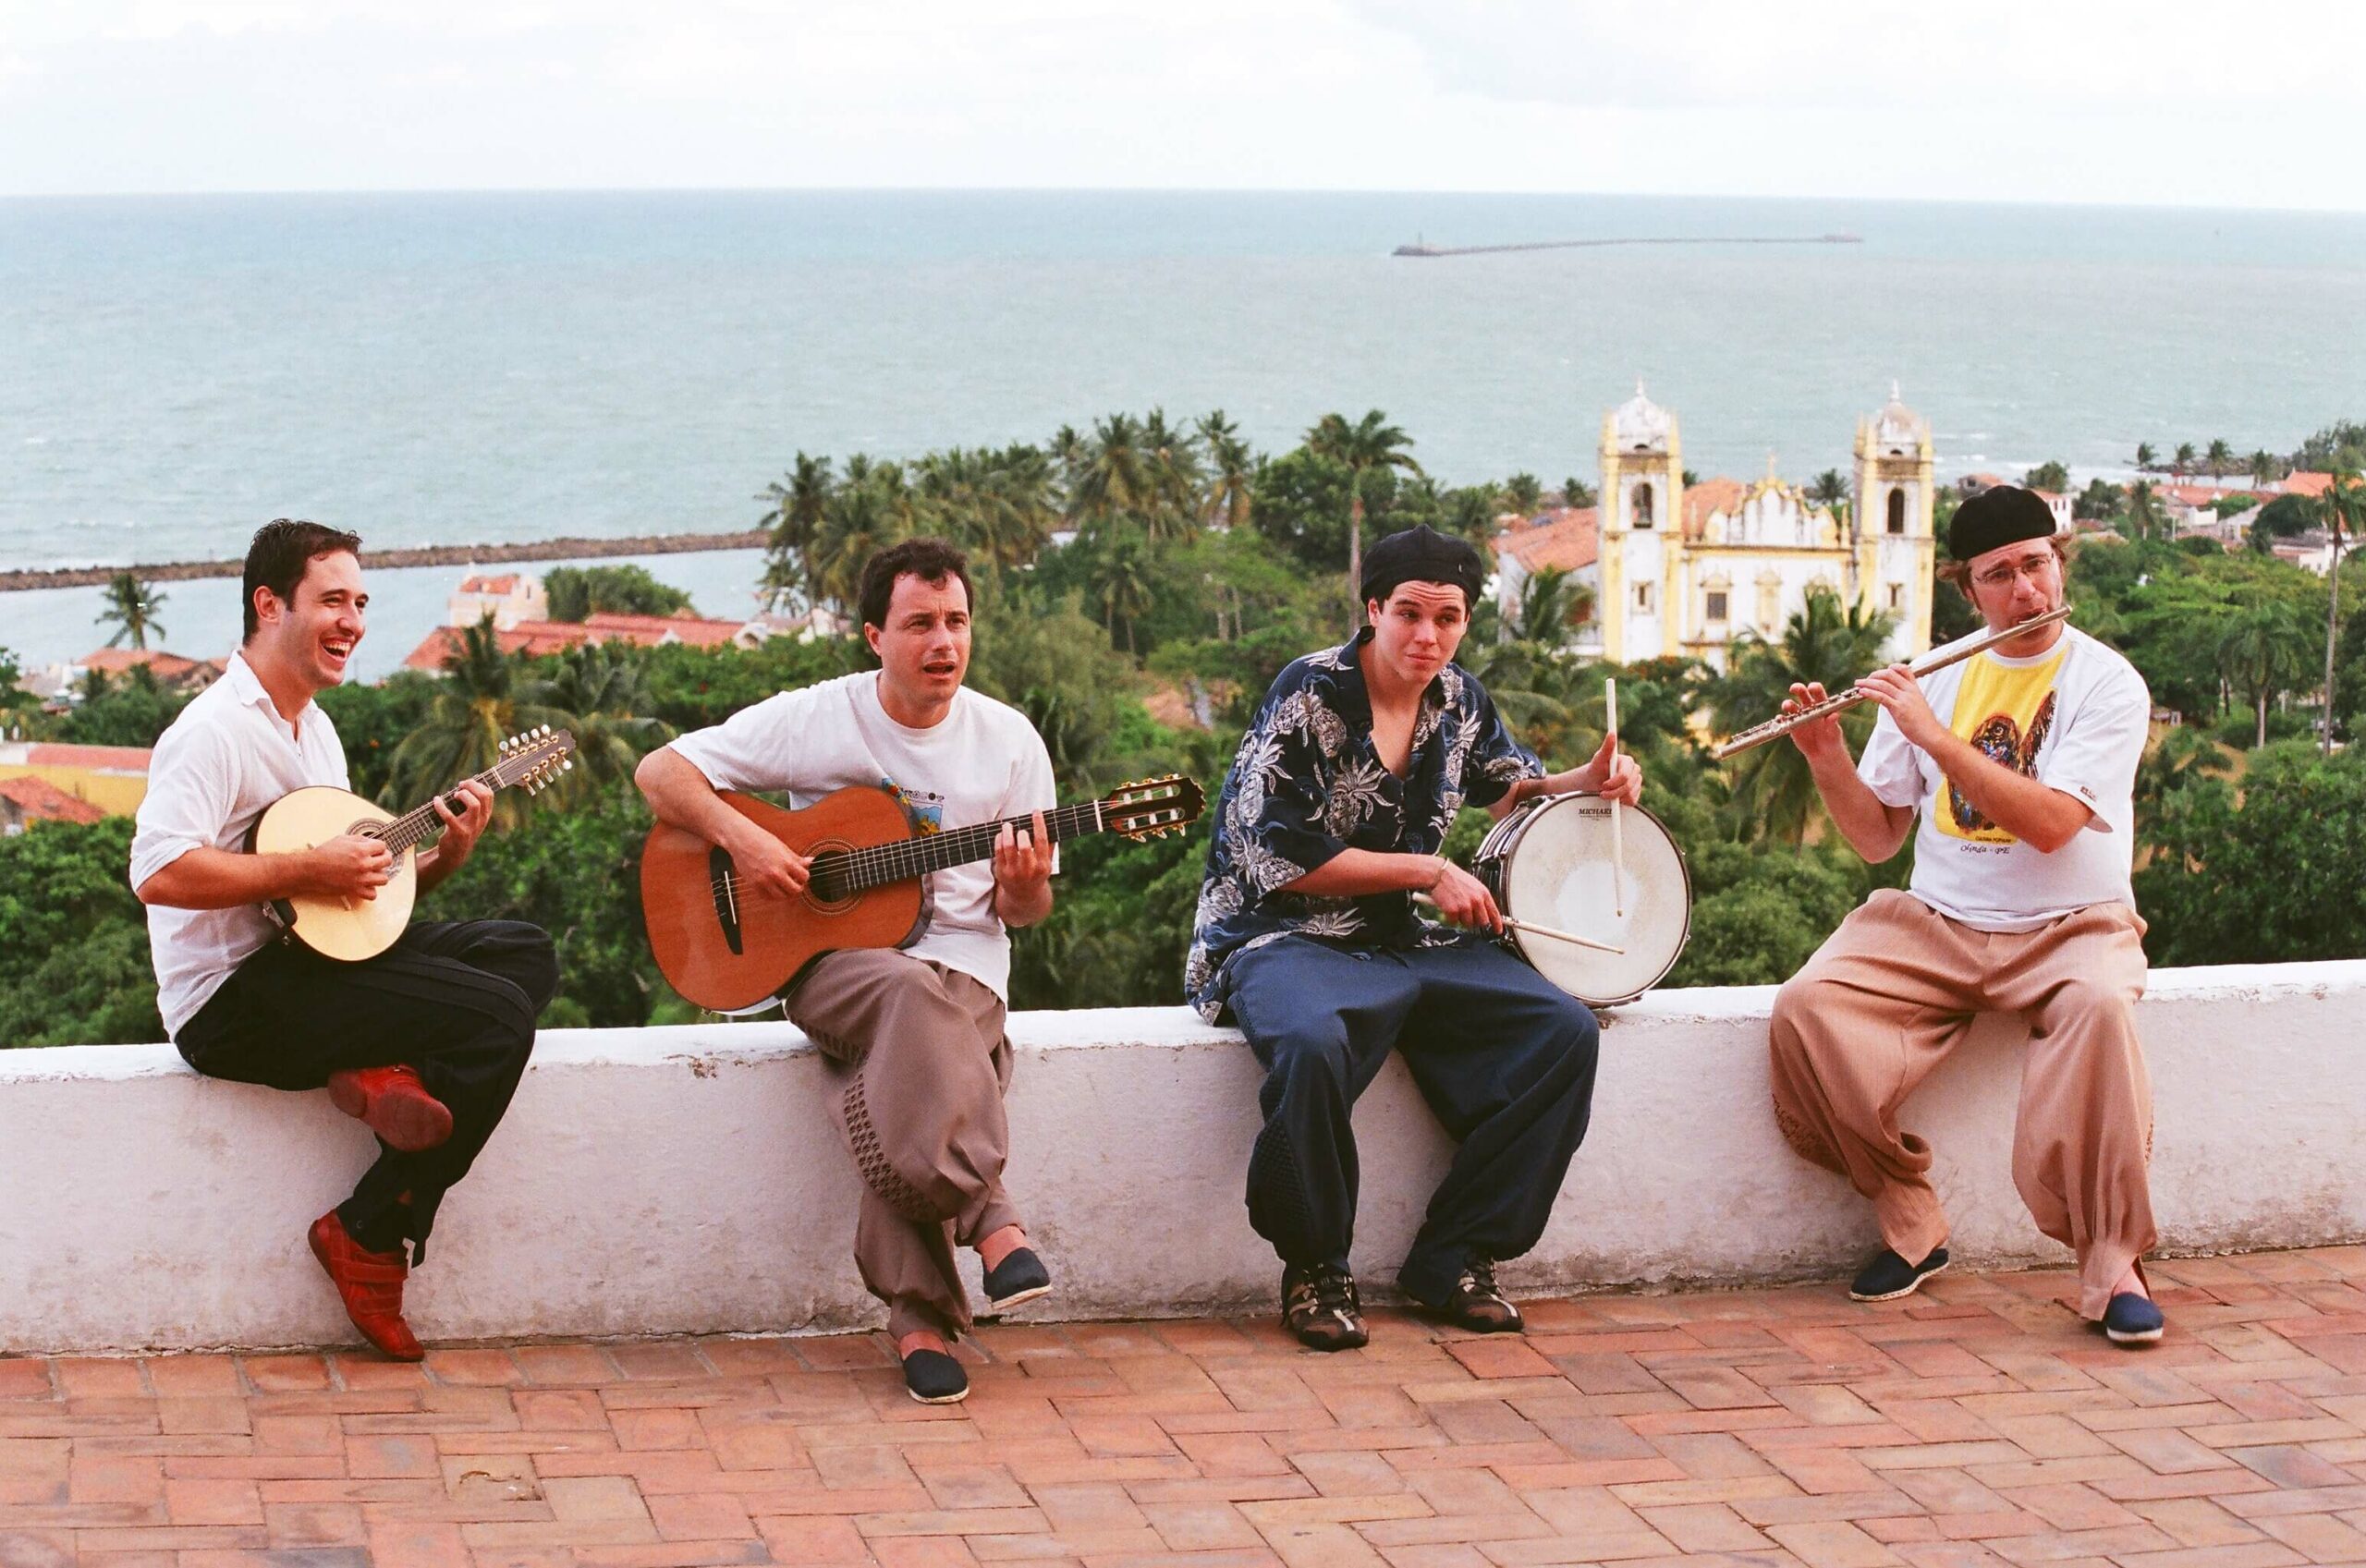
2005	710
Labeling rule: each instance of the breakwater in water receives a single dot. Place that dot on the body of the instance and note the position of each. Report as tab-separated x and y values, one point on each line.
561	549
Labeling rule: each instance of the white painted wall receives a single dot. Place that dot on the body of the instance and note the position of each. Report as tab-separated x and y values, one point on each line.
688	1180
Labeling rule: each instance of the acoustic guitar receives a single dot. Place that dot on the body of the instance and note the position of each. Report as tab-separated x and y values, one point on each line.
730	947
355	929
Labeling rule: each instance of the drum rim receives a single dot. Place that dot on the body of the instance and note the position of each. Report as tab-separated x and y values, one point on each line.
1683	866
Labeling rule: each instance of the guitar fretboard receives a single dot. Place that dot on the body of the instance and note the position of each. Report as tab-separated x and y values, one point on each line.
420	823
845	873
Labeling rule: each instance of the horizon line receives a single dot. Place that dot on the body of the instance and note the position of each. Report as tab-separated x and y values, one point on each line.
2043	204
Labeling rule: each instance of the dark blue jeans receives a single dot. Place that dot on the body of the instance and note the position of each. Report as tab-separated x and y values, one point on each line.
1504	1059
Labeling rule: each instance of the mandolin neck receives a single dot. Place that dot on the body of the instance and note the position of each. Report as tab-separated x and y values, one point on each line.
420	823
842	873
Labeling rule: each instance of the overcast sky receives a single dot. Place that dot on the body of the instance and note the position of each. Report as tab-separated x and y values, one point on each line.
2163	102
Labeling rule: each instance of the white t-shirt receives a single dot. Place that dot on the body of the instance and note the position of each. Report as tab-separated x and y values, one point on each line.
981	762
2074	718
225	758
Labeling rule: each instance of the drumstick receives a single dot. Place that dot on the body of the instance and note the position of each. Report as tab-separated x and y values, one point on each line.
1618	838
1532	929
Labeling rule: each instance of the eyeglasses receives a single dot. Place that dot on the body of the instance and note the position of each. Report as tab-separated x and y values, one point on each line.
2035	568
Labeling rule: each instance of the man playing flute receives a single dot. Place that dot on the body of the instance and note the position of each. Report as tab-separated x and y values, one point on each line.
2020	765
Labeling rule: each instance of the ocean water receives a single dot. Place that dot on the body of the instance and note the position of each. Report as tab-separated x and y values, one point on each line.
453	368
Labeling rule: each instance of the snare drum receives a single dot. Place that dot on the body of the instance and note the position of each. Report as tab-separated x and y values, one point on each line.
1550	863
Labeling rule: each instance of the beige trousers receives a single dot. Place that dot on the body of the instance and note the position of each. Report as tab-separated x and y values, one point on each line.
1895	989
920	1064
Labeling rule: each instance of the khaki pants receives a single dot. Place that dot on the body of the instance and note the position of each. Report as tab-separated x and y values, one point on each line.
920	1062
1895	989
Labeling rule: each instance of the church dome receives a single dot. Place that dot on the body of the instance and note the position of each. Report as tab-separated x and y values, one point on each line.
1898	428
1640	425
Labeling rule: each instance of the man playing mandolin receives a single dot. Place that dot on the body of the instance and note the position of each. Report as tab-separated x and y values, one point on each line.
2020	763
914	1036
425	1044
1330	822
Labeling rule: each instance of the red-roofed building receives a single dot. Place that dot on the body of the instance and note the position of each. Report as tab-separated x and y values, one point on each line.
1564	539
170	669
112	779
2306	481
28	799
534	638
510	598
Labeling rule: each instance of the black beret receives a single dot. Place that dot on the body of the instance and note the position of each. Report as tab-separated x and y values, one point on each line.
2001	515
1422	555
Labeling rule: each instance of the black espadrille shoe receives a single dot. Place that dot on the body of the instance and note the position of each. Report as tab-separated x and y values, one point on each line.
1019	1279
1888	1276
933	1378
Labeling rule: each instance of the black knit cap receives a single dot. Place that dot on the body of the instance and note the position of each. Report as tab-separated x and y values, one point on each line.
2001	515
1422	555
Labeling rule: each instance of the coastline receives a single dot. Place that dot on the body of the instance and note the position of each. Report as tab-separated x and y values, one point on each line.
566	548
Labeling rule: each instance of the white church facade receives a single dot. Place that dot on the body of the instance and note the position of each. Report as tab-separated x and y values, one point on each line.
1687	570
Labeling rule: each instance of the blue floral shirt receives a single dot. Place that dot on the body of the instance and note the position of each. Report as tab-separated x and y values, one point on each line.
1308	784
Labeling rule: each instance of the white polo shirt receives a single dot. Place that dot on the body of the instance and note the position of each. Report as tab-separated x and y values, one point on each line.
228	757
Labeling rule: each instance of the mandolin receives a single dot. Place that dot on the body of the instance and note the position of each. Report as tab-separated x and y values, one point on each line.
729	947
355	929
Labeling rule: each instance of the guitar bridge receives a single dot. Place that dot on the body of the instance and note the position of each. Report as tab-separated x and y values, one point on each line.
726	898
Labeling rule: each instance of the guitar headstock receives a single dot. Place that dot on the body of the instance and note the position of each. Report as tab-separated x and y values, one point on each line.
534	758
1150	808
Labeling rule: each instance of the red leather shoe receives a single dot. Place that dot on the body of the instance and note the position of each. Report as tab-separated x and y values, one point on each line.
394	1104
371	1285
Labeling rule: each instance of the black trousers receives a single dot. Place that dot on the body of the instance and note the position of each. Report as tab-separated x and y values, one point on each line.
1504	1059
455	1000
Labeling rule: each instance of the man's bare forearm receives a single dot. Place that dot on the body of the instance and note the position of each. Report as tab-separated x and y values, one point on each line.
679	794
2037	814
225	878
1873	830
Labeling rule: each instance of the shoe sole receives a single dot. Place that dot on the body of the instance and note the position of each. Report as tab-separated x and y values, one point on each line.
1909	1290
2139	1336
918	1398
390	1353
997	1306
410	1122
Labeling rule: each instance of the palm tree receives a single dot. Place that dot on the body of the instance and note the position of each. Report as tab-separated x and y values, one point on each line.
873	509
1772	789
484	698
2182	464
2144	513
2263	466
1114	475
1552	605
1175	475
1523	493
1830	489
1231	468
2145	456
1371	442
130	608
2343	510
1120	578
795	522
2264	652
2219	458
604	689
1574	492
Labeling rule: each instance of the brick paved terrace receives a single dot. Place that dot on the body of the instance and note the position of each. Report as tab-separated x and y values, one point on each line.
1977	1423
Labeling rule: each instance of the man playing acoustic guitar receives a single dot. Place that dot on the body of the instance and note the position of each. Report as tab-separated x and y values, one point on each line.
424	1043
915	1035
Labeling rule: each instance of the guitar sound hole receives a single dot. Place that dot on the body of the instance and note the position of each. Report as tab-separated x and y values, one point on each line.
822	891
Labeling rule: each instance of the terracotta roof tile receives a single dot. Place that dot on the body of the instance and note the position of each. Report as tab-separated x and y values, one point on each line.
1569	539
41	800
58	754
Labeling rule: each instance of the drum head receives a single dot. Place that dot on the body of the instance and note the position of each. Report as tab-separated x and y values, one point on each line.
1559	874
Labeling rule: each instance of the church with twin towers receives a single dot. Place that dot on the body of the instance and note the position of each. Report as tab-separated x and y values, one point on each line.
1687	570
